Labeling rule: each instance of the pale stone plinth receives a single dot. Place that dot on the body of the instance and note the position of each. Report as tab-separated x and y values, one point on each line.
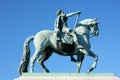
68	76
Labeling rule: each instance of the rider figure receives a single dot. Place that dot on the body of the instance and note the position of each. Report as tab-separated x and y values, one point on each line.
61	26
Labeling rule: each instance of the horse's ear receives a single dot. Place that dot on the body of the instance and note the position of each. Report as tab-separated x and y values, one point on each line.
96	19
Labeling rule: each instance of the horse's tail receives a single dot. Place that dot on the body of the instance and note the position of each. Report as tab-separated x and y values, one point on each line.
26	55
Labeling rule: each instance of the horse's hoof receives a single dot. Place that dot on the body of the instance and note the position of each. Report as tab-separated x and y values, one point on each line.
90	69
46	71
31	71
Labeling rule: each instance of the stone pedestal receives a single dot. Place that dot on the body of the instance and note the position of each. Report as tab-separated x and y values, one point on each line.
68	76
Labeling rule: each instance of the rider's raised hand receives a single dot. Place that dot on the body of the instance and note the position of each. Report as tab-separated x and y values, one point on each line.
78	12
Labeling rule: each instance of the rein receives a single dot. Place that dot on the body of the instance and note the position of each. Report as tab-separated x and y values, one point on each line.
91	35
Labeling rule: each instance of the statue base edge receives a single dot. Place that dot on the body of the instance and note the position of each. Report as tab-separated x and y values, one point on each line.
68	76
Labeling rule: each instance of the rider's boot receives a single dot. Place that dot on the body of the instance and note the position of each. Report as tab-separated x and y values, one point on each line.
76	41
78	46
58	38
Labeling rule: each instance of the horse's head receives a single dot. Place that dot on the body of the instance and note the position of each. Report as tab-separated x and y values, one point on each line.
86	25
93	26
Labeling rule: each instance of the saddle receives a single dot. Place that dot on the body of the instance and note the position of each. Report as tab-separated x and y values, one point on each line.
66	44
67	39
65	47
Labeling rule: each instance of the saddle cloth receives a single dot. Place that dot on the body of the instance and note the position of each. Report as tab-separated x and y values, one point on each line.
67	39
66	43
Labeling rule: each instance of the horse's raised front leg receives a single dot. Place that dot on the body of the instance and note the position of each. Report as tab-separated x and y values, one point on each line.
90	53
95	61
80	58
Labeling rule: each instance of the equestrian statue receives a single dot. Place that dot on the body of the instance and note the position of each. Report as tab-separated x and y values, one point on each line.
62	41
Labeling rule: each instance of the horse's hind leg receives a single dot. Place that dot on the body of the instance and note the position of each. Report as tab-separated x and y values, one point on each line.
33	59
45	55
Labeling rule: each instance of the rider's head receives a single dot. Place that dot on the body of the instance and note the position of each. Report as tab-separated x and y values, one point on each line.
59	12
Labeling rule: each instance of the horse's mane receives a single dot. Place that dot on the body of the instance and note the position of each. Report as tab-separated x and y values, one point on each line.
86	21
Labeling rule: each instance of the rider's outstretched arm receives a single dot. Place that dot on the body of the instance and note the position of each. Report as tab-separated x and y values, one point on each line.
72	14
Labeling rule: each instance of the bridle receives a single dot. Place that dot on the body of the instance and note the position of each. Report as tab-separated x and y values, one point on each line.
91	25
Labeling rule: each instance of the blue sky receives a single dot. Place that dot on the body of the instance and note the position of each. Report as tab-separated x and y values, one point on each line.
22	18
